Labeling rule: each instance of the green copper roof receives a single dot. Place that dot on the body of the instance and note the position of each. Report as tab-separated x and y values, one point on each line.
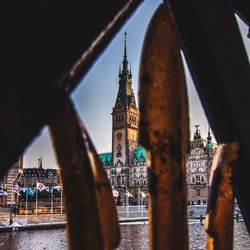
140	151
209	146
106	157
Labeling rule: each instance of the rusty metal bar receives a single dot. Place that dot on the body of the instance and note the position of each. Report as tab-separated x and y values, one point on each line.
106	204
217	59
164	131
91	212
219	218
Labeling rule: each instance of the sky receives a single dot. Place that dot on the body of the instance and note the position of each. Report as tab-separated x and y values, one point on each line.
95	95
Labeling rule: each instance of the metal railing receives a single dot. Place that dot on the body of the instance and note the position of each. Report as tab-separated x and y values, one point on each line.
138	212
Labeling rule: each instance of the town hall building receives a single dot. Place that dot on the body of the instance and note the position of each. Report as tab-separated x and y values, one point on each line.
126	165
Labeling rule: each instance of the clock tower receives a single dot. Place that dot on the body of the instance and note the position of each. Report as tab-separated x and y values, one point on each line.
125	123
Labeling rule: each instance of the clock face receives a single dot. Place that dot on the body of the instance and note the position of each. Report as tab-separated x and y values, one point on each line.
119	136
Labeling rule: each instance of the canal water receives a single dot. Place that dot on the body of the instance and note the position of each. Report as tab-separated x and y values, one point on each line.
134	236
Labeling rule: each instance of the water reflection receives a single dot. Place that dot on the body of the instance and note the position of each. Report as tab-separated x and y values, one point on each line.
38	240
132	237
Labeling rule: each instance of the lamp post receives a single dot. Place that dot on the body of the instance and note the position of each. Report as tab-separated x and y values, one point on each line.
51	202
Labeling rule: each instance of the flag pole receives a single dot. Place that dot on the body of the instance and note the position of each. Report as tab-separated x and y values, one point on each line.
36	197
138	197
51	201
61	198
126	200
141	205
26	205
12	191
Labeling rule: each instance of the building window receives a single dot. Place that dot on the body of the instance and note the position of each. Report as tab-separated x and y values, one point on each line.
198	179
193	180
198	192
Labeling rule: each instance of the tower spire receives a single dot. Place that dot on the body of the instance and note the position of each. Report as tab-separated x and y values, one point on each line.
125	45
125	80
125	60
209	137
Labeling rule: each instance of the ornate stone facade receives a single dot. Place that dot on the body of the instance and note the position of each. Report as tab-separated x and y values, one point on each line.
198	167
126	165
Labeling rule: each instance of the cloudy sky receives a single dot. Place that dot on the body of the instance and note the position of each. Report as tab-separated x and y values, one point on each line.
95	95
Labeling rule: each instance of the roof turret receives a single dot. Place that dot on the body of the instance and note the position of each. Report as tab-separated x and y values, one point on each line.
209	145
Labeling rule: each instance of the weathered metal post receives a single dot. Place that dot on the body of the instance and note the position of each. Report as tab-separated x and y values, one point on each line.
164	129
91	212
219	218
